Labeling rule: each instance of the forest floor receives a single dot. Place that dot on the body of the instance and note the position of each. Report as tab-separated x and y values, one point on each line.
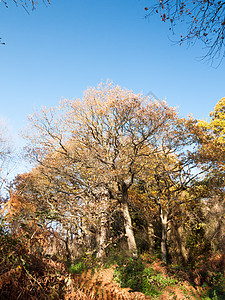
26	276
103	284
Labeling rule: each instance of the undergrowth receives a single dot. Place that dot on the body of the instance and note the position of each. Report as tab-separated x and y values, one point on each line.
139	275
25	275
133	274
28	275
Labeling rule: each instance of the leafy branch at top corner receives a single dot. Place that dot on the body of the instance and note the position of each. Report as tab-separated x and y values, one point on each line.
203	20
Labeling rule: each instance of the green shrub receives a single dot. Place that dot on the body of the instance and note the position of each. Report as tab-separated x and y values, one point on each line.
129	274
77	268
153	284
132	274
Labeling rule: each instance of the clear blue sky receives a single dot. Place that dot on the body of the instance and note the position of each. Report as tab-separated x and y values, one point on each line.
58	51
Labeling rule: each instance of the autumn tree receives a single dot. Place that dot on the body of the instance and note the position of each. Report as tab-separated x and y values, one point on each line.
106	139
216	125
212	154
45	197
64	189
20	215
203	19
211	150
172	172
203	209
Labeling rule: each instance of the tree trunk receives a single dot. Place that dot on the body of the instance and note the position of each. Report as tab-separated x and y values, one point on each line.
103	230
164	217
129	230
68	253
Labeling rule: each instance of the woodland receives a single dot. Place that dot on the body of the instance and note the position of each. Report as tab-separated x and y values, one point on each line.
125	200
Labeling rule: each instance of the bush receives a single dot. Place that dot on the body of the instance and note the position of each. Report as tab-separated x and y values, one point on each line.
25	275
132	274
153	284
129	274
77	268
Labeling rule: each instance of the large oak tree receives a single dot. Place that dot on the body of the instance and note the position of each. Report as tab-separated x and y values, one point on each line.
106	138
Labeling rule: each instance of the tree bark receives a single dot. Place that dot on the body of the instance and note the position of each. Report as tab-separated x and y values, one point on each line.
129	230
164	218
103	230
68	253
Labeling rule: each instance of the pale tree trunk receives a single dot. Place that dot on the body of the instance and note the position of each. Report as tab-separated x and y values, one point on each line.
129	230
103	229
164	219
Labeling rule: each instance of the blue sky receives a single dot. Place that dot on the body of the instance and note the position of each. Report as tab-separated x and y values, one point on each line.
58	51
